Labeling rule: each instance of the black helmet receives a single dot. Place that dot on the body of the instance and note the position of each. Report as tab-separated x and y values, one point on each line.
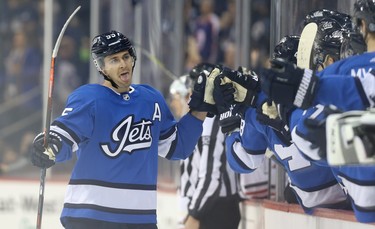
365	10
353	44
110	43
317	16
328	41
197	69
287	48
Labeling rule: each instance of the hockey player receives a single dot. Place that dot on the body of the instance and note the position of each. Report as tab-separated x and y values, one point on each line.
313	185
332	31
357	91
336	86
117	129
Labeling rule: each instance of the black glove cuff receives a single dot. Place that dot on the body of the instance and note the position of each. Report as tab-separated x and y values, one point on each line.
306	90
251	98
230	124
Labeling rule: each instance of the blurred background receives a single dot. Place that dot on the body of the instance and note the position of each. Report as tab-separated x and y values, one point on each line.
170	37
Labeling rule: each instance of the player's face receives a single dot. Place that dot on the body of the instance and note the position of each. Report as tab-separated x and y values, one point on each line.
119	67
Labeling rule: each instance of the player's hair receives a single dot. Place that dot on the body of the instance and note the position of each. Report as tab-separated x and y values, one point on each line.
287	48
107	44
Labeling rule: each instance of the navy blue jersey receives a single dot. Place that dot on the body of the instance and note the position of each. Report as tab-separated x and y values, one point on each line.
349	85
117	139
313	184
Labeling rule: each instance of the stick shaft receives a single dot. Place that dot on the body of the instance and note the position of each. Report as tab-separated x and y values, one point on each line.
48	118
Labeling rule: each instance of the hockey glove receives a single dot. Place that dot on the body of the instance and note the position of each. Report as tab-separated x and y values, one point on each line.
196	102
45	157
245	83
317	130
351	138
268	114
287	84
223	91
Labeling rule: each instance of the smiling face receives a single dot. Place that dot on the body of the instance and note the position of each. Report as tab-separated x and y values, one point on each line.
119	68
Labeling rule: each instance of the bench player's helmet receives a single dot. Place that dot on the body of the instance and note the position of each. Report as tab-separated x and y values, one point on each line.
364	10
107	44
317	16
197	69
287	48
328	41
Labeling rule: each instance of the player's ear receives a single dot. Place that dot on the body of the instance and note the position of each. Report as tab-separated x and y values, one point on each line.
328	61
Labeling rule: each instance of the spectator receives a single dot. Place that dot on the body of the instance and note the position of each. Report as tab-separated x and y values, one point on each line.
206	32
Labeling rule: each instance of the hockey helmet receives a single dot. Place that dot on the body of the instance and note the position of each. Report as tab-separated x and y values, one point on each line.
287	48
353	44
365	10
196	70
181	85
328	41
110	43
317	16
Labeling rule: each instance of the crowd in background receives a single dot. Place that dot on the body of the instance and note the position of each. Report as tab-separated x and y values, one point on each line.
209	37
21	72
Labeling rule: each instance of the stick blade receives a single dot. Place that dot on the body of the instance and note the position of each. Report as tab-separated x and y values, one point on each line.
305	45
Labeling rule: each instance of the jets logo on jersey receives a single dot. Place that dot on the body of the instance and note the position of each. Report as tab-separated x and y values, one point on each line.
129	137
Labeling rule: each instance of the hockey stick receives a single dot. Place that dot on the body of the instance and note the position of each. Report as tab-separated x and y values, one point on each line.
305	45
48	117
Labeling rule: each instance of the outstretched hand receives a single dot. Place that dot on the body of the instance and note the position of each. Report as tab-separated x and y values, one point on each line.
197	102
229	119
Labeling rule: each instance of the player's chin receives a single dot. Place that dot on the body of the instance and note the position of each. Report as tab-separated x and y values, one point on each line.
124	85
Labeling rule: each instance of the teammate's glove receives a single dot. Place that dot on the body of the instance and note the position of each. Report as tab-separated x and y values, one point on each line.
229	119
268	114
287	84
45	157
317	130
246	84
351	138
196	102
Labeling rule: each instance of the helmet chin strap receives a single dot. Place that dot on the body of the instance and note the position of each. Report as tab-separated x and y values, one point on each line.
110	80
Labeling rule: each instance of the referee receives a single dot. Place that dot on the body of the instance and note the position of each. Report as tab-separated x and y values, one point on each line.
209	190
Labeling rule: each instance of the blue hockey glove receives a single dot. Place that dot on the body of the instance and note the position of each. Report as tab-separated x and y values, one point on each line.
196	102
287	84
42	157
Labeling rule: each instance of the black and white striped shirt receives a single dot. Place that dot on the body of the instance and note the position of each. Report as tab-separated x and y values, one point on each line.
206	175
